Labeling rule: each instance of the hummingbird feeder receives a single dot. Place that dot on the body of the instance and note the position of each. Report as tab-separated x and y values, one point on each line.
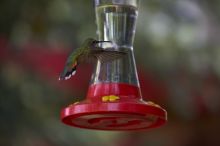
114	100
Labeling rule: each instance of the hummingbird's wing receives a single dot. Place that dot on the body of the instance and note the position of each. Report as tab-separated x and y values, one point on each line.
89	56
108	54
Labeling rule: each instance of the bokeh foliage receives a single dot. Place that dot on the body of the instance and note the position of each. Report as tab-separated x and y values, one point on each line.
176	46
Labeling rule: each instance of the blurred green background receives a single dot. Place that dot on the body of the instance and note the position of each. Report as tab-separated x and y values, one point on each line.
177	50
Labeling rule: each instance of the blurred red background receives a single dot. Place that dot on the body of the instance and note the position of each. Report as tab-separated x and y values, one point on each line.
177	54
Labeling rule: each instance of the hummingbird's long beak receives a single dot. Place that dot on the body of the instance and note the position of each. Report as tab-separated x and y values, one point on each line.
103	41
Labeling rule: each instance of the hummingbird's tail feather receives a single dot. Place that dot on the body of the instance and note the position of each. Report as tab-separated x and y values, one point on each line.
68	73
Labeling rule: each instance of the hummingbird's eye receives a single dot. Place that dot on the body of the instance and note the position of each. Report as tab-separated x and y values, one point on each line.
95	42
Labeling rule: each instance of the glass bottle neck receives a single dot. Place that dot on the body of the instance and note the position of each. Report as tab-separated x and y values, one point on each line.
117	23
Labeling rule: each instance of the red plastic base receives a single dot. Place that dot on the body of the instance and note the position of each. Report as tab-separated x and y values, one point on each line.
127	113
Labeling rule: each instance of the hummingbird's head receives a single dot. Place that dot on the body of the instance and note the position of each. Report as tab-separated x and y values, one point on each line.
90	42
93	43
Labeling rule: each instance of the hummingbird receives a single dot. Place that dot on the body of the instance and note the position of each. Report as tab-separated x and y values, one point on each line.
89	50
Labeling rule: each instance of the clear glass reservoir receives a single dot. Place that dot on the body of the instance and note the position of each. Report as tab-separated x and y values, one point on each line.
116	22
